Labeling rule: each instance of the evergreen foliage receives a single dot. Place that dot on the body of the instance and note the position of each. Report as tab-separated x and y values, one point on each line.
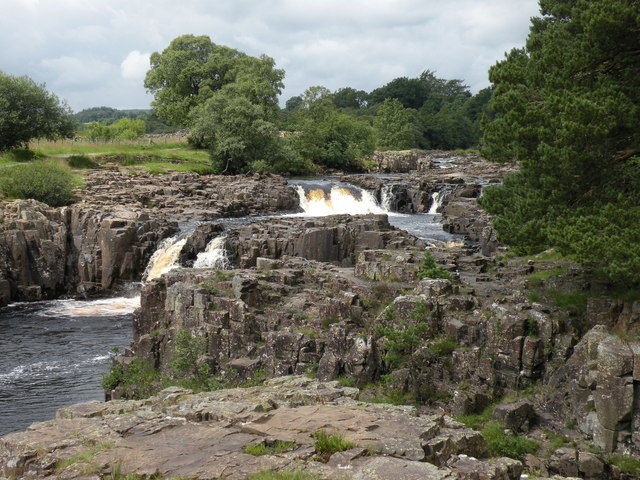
567	109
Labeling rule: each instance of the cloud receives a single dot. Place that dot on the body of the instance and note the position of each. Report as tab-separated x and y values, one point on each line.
135	66
94	52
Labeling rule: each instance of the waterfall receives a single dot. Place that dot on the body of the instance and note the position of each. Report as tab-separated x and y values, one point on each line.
214	256
339	200
386	197
165	258
436	203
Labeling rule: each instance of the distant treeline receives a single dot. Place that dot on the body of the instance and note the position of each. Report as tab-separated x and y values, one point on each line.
107	116
424	112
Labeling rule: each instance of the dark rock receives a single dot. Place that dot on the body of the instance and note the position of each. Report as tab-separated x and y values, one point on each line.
519	416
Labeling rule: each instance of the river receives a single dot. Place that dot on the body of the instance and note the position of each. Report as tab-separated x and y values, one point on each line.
54	354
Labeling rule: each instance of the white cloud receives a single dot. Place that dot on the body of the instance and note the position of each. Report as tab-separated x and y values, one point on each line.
135	66
92	53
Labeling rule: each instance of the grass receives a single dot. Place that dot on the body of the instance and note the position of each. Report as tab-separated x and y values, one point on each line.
625	463
81	162
477	420
264	448
503	445
326	444
85	458
537	279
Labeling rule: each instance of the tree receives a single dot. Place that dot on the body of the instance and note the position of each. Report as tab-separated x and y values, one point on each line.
237	134
394	126
327	137
350	98
191	69
567	107
28	111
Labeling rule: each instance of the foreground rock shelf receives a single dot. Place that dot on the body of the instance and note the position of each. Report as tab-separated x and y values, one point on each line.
179	433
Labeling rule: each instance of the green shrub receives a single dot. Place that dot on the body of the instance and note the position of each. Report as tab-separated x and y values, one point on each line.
138	380
45	181
20	155
81	162
326	444
401	338
625	463
429	269
443	347
504	445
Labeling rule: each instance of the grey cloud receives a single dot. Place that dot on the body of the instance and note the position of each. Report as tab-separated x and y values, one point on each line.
77	47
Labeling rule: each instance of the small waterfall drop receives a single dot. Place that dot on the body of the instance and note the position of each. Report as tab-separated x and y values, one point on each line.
339	200
165	258
436	203
386	197
214	256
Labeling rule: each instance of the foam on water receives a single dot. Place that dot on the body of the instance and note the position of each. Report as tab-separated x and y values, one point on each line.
339	200
104	307
165	258
214	256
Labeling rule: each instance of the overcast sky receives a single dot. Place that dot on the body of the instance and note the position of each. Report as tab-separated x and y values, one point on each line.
96	52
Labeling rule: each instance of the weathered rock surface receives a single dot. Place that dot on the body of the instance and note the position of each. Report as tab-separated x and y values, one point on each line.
109	236
178	433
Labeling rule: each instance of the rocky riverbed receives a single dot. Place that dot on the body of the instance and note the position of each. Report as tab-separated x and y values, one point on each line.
531	342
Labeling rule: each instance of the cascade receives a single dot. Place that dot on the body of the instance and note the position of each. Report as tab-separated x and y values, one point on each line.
436	203
165	258
386	197
214	256
317	202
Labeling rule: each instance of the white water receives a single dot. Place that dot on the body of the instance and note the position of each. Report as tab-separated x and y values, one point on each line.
339	200
386	197
436	203
103	307
214	256
165	258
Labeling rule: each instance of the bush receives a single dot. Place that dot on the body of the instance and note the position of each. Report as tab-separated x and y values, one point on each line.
81	162
429	269
138	380
400	340
45	181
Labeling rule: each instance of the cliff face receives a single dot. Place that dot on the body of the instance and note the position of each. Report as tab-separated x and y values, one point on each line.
48	252
333	298
109	236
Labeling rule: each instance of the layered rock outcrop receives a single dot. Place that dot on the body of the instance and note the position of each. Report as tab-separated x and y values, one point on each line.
108	237
178	433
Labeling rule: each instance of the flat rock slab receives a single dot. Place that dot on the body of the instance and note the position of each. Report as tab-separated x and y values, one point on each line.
179	433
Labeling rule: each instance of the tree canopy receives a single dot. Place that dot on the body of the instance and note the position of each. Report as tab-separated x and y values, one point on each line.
192	68
567	110
28	111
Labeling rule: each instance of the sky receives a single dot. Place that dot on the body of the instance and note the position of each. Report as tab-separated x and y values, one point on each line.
96	52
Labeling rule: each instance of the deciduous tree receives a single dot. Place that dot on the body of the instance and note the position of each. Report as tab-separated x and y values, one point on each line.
28	111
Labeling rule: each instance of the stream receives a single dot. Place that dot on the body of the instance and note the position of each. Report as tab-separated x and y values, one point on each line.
54	353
